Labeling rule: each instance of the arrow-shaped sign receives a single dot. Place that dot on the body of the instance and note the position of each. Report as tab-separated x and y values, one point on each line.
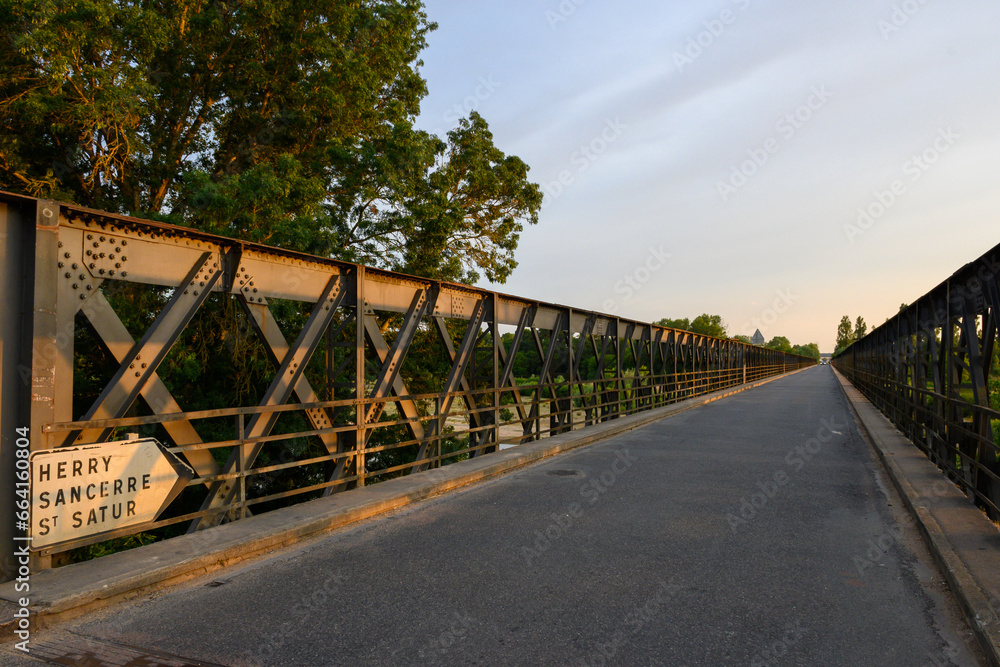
77	492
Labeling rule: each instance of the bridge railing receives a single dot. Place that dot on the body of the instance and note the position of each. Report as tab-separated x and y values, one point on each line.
933	370
346	375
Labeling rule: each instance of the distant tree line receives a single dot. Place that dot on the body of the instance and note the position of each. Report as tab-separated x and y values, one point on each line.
713	325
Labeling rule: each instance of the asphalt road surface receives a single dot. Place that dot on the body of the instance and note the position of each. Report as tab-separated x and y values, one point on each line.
755	530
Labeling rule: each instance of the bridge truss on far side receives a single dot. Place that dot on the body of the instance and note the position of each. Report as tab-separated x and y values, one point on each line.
932	369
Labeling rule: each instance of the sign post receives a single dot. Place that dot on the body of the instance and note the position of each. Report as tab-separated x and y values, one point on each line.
77	492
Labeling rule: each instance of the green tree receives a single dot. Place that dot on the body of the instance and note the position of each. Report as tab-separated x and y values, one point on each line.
682	324
780	343
277	121
860	328
742	338
709	325
469	212
845	334
811	350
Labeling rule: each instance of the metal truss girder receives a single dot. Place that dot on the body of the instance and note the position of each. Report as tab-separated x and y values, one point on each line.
277	348
524	322
285	380
76	289
392	358
119	342
929	368
390	382
585	332
261	275
47	363
456	375
290	376
548	355
145	357
398	387
509	383
156	249
656	345
460	359
145	255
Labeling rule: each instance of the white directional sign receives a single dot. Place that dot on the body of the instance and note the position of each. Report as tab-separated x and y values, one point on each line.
77	492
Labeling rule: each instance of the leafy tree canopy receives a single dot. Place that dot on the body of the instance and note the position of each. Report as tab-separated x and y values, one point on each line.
780	343
279	121
845	334
682	324
860	328
709	325
811	350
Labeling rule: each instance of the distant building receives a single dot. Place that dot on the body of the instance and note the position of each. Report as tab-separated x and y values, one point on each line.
758	338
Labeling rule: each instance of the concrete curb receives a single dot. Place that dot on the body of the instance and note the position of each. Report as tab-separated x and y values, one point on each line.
67	592
962	540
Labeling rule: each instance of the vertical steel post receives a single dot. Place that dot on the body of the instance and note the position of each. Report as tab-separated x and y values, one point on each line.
17	254
241	482
47	359
567	421
360	391
495	335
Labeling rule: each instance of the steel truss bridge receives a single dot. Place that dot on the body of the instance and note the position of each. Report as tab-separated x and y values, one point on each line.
932	370
339	410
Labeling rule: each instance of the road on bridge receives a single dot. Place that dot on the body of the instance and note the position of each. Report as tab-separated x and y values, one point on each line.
754	530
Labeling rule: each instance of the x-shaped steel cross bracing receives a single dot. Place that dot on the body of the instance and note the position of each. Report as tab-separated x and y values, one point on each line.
277	348
456	376
388	382
140	364
286	379
119	342
546	375
507	359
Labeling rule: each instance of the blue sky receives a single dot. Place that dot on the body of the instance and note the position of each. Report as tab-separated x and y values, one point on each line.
780	164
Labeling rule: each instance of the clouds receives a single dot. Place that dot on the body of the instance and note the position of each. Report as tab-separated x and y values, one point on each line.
687	127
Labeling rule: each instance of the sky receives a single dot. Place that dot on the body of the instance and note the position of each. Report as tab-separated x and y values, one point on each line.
780	164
